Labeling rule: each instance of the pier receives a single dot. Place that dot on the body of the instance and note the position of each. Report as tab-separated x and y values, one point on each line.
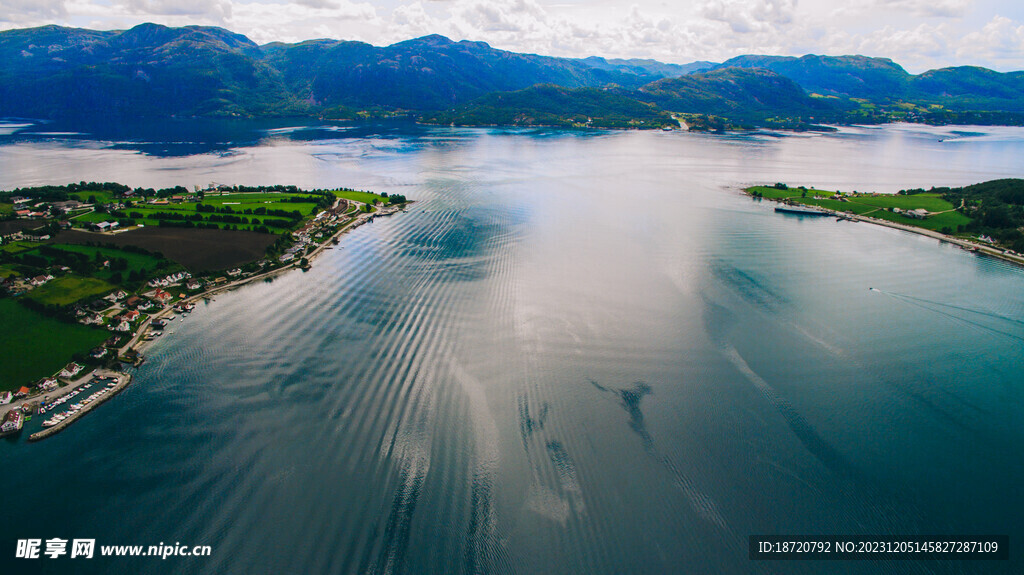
123	379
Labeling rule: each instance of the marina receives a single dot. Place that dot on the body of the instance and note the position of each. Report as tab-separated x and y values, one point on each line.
61	420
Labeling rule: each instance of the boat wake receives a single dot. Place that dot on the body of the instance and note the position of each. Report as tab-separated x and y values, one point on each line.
950	311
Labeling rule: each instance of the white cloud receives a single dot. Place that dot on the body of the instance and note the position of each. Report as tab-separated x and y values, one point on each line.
745	16
1001	40
216	10
928	8
32	10
915	33
293	22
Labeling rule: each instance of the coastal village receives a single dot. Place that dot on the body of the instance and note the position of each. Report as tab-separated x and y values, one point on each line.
914	211
135	317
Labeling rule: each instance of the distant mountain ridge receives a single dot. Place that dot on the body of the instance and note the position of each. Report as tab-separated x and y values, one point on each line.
157	71
428	73
880	79
646	67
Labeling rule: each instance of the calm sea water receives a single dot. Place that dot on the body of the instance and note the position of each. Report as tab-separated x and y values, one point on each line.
578	352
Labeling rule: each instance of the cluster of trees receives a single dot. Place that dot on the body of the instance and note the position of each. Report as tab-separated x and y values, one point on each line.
187	224
996	208
263	189
62	193
161	193
323	200
180	220
61	312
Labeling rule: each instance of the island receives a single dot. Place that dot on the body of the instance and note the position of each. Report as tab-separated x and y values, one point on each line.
985	218
90	272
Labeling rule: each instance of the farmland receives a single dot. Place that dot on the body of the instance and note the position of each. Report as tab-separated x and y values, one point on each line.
265	212
67	290
162	233
125	263
42	345
363	197
11	226
198	250
943	216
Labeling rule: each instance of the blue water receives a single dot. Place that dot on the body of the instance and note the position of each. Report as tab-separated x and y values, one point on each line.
577	352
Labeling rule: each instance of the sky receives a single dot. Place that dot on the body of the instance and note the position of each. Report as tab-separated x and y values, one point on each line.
918	34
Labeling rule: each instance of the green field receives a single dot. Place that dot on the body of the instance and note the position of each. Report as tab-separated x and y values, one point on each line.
92	218
145	264
19	247
42	345
6	209
875	206
69	289
238	203
364	197
101	197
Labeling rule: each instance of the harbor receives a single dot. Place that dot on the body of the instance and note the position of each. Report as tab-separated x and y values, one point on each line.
82	400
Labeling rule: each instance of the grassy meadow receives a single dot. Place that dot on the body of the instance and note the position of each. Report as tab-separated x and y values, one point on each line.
876	206
42	345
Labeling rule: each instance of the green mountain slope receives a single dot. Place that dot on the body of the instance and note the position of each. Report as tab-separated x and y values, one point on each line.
428	73
157	72
549	105
149	70
850	76
738	93
880	80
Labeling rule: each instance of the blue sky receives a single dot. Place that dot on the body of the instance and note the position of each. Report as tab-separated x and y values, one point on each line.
919	34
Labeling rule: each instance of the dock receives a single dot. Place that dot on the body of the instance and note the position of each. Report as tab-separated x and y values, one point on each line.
123	379
801	211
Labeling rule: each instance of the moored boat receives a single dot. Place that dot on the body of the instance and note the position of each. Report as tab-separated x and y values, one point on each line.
800	210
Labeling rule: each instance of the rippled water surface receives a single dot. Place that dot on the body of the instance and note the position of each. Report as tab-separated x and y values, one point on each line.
575	353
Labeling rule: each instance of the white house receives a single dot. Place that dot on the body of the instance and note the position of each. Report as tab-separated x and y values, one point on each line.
12	421
71	370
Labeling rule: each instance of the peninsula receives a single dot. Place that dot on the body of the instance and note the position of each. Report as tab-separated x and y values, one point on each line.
985	218
89	272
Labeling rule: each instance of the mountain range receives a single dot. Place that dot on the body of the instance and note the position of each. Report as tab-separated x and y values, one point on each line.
157	71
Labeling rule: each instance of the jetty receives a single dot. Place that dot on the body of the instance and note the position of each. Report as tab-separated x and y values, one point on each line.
122	379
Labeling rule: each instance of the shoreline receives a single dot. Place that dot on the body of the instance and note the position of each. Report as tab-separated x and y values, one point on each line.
138	341
968	245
